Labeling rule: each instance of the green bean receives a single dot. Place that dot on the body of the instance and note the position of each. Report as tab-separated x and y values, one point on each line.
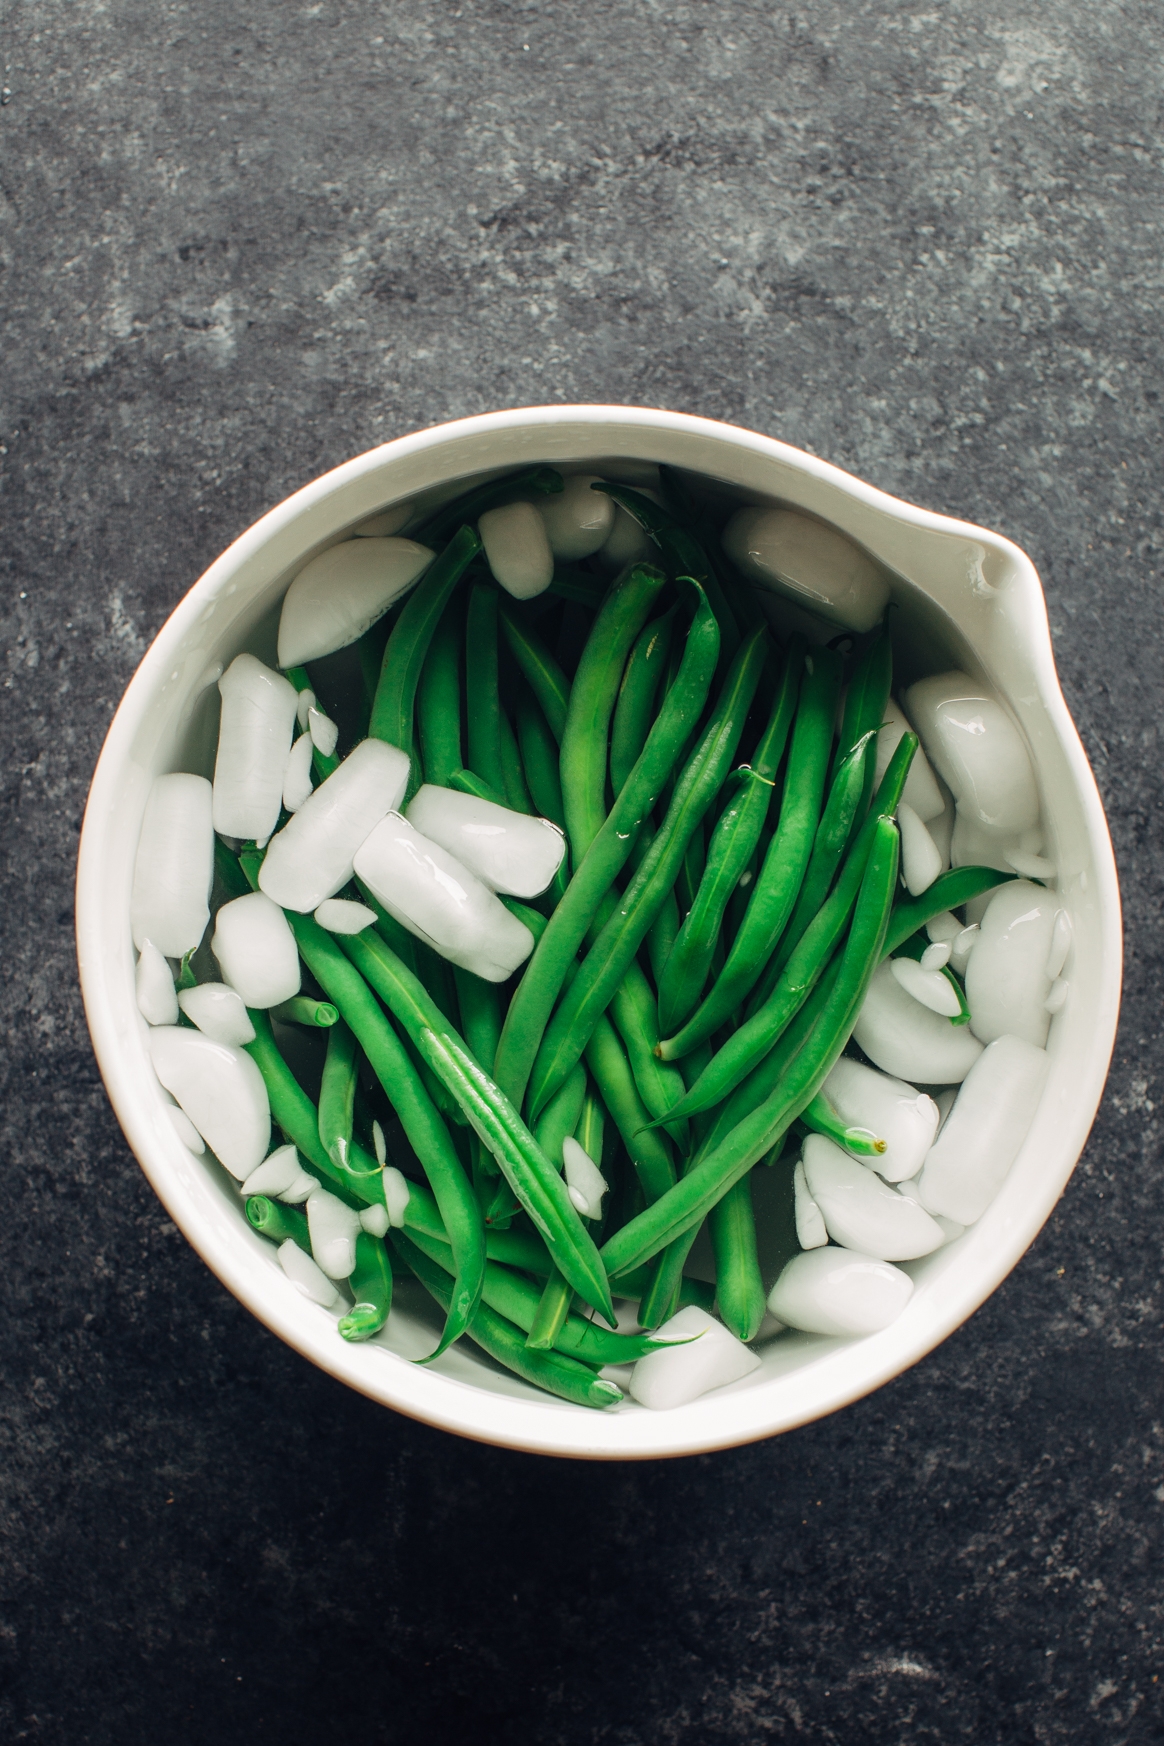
538	481
227	871
532	919
482	699
369	653
865	703
554	1371
405	651
438	703
427	1133
516	789
590	1128
708	1180
775	891
337	1095
359	1179
636	1018
480	1008
282	1224
820	1117
468	782
662	934
635	708
739	1288
578	586
549	1317
748	1045
683	556
736	833
592	699
663	1293
539	756
650	1151
546	971
371	1285
833	835
512	1248
542	673
488	1111
516	1299
560	1118
915	947
303	1010
948	891
606	962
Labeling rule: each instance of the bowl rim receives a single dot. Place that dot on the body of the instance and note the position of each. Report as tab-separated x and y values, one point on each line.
851	1369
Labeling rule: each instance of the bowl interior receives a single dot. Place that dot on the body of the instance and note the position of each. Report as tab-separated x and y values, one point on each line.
965	598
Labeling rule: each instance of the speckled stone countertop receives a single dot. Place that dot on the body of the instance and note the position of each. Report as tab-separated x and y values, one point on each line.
241	243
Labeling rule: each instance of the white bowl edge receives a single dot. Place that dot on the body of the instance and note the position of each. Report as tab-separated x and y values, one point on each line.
987	591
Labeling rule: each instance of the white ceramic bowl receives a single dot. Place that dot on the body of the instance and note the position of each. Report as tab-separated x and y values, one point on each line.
968	598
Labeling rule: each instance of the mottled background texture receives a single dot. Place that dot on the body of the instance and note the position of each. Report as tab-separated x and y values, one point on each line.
243	242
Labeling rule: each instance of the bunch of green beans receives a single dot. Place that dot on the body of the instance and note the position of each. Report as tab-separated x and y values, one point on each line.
699	961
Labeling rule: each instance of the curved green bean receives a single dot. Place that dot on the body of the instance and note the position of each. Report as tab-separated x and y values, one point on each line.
634	710
371	1285
948	891
469	782
833	835
865	702
592	699
556	1372
516	1299
748	1045
517	792
650	1151
359	1180
683	555
736	833
487	1110
552	958
607	961
427	1133
775	891
404	653
820	1117
708	1180
636	1019
539	756
542	673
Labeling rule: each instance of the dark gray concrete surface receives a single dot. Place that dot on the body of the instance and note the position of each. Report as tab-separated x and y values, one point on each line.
244	242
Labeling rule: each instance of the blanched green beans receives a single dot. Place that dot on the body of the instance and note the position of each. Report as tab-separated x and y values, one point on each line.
776	890
705	1184
408	645
438	702
592	699
736	833
371	1285
635	708
556	1372
606	962
542	673
524	1165
550	963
